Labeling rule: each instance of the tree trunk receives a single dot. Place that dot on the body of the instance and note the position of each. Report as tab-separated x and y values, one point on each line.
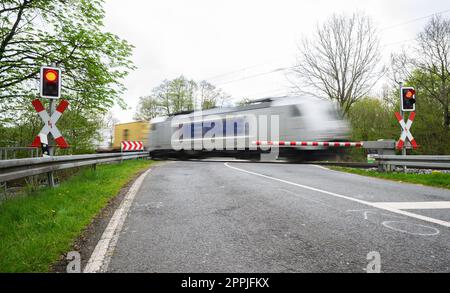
446	119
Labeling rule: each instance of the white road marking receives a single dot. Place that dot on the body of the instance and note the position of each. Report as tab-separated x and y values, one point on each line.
392	225
371	204
101	256
374	212
424	205
322	167
307	198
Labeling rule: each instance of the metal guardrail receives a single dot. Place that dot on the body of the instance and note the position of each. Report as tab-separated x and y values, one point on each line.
20	168
361	165
388	162
11	152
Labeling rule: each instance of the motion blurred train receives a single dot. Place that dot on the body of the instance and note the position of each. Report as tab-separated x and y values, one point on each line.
299	119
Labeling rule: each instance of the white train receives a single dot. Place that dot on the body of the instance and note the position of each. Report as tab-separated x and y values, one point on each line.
235	130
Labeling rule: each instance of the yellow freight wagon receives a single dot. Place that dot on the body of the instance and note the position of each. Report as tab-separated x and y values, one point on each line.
132	131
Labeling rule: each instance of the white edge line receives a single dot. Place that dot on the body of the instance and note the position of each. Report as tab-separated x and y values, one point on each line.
101	256
375	205
321	167
421	205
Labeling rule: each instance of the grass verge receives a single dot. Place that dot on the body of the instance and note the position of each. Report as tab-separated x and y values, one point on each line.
35	230
436	179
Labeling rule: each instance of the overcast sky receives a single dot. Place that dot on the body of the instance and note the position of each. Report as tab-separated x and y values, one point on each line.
227	41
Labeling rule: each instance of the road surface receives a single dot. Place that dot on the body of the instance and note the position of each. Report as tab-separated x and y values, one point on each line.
260	217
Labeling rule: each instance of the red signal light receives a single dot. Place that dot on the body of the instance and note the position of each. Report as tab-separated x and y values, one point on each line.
51	75
408	99
50	82
409	94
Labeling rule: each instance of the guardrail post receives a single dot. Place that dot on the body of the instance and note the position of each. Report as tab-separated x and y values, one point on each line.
380	167
4	185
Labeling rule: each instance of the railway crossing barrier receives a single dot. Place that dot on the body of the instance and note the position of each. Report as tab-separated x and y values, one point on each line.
308	143
381	147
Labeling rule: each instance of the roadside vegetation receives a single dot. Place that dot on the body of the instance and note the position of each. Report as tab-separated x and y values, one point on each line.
341	60
330	65
436	178
35	230
94	64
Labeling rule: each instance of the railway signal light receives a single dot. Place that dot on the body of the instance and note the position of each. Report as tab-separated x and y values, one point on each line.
408	99
50	82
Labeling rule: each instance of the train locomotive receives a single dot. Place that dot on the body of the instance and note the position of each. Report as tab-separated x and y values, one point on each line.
234	131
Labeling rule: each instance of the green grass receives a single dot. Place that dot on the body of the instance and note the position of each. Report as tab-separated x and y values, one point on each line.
35	230
436	179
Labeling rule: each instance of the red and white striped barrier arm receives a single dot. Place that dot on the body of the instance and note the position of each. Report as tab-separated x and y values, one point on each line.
132	146
50	123
309	143
406	133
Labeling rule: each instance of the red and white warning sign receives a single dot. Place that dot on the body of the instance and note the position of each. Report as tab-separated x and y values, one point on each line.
309	143
406	133
50	124
132	146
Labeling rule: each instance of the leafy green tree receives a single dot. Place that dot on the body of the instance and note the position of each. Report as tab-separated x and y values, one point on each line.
429	128
210	96
244	101
428	65
70	34
182	94
149	107
372	119
66	32
177	95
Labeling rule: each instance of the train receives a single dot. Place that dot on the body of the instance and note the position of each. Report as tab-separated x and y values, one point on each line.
131	131
298	119
234	131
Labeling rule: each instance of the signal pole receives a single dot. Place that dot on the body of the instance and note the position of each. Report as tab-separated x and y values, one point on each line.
51	141
402	114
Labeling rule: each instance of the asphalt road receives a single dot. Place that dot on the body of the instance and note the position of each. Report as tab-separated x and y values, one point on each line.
257	217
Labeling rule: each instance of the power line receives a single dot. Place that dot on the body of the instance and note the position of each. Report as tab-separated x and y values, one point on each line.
279	90
398	42
414	20
286	68
232	72
258	74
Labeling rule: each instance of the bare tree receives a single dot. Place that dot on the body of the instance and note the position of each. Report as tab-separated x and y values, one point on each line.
428	66
340	62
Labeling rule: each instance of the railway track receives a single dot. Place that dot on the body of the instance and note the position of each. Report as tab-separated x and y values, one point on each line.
337	164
